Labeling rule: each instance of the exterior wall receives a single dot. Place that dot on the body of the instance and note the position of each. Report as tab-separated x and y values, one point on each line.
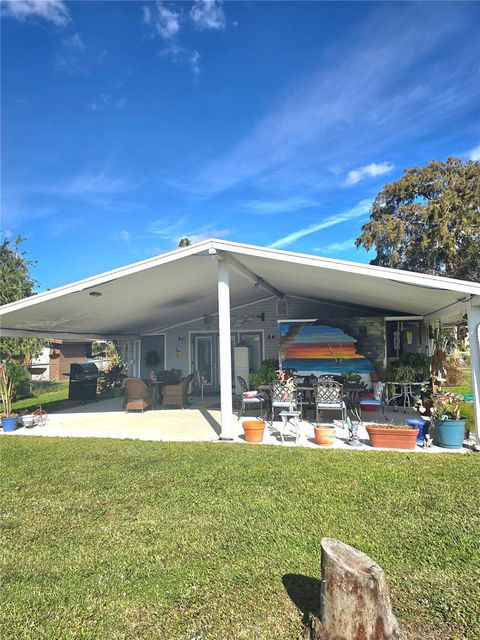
68	352
152	343
368	330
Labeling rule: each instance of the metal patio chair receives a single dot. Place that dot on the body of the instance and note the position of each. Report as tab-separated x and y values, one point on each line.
329	397
246	402
282	398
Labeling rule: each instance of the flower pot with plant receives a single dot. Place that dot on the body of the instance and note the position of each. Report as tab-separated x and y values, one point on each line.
7	388
449	426
392	436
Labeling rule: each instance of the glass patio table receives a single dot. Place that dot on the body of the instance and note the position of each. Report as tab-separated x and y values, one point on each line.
406	390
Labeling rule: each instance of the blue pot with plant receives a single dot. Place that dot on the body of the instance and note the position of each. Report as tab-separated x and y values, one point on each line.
449	426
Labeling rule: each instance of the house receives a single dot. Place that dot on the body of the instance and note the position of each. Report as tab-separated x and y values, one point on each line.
56	358
194	305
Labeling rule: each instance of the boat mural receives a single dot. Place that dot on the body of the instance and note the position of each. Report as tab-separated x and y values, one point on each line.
309	347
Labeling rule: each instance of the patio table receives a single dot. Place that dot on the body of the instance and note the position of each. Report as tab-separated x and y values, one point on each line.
157	387
289	418
351	395
408	390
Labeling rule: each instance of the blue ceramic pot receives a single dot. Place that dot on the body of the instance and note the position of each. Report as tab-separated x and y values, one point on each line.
448	433
9	424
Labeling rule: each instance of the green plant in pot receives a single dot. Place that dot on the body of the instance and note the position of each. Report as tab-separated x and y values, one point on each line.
420	363
449	425
392	436
152	359
404	373
7	388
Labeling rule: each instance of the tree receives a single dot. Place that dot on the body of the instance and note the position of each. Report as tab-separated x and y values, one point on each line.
429	221
184	242
17	283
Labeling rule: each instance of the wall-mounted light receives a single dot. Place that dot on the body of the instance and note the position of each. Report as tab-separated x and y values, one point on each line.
178	350
95	294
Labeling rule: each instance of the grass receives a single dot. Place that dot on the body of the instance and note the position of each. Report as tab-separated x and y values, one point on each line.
467	407
129	539
52	398
466	385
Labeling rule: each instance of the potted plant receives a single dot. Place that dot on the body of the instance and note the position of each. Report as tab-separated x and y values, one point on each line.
449	426
7	387
152	359
253	430
392	436
351	379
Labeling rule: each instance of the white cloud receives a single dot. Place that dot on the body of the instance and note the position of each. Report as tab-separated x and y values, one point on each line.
270	207
173	231
125	236
368	171
166	21
147	15
183	56
348	108
475	153
208	15
96	183
74	42
337	247
52	10
360	209
100	102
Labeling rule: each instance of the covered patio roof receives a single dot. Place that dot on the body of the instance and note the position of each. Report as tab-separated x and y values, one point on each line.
181	285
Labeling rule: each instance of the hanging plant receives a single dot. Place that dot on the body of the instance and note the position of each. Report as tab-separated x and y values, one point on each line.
152	359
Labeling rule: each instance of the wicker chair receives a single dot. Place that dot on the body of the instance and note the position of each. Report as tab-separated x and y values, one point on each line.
176	394
137	395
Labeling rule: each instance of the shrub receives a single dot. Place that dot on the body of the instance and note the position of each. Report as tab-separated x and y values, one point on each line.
20	378
266	373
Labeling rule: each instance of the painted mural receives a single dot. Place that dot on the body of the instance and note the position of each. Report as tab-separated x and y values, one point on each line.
310	347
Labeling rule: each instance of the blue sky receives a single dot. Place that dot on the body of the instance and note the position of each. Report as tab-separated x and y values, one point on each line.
127	125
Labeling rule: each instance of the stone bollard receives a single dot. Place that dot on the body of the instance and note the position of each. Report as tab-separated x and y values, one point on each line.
354	601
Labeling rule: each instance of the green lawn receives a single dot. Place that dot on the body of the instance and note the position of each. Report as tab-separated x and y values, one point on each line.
54	398
114	539
466	384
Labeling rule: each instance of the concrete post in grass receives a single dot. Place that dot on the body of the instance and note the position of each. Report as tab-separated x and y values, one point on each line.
354	601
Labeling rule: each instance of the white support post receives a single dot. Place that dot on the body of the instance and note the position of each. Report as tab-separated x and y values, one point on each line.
474	341
225	349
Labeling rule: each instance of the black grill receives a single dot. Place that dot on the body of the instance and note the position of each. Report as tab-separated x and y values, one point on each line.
83	381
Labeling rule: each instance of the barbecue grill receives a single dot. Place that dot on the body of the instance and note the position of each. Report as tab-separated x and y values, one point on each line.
83	381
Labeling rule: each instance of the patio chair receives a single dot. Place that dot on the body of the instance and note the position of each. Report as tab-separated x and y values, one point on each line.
248	402
281	398
329	397
137	395
176	394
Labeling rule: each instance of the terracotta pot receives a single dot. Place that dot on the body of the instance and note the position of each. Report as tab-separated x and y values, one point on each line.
387	437
253	430
324	434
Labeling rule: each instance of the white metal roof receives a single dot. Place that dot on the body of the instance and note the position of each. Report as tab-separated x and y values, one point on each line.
181	285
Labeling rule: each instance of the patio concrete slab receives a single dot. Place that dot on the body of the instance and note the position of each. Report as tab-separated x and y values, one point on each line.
199	423
107	419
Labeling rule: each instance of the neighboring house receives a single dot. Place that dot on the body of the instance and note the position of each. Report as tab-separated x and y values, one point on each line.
196	304
56	359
